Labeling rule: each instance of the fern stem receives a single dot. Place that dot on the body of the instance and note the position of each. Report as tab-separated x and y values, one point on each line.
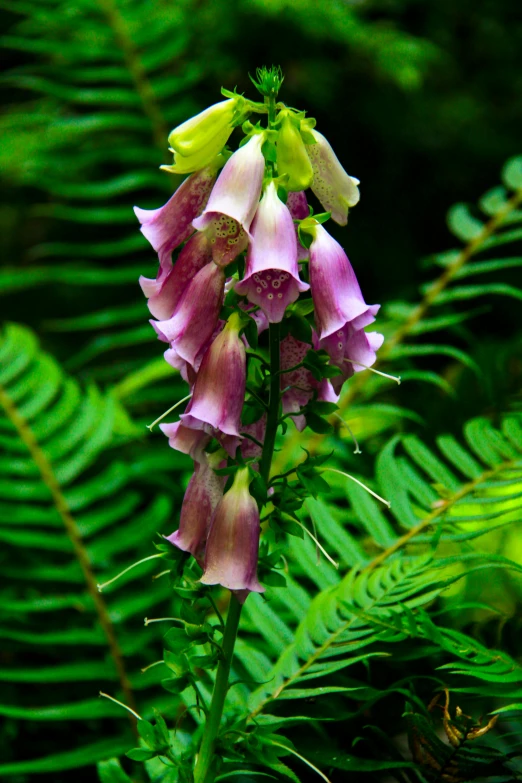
49	479
210	733
335	635
427	521
137	71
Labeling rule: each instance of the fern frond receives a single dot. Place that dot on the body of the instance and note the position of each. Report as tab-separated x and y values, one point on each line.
70	509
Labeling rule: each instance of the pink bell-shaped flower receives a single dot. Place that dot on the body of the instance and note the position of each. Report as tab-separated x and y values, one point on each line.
170	225
334	188
186	440
357	353
196	315
271	277
299	209
204	491
338	300
299	385
219	390
233	542
233	202
165	292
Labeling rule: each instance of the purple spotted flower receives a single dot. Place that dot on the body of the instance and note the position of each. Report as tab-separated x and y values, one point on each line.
204	491
354	353
334	188
299	385
233	202
219	390
166	290
233	542
170	225
196	314
299	209
186	440
271	277
338	301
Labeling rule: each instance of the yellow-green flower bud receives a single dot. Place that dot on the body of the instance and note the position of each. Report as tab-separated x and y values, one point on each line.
292	157
205	157
209	127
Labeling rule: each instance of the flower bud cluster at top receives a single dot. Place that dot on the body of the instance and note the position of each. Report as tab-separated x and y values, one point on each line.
248	246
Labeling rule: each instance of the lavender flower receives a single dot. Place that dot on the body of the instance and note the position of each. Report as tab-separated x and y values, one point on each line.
299	385
272	277
196	315
353	352
233	542
219	390
233	202
171	224
188	441
167	289
337	297
204	491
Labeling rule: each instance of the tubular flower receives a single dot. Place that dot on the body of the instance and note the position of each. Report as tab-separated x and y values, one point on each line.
338	300
165	292
170	225
299	209
219	390
272	278
300	385
233	202
204	491
200	131
358	353
186	440
233	542
292	158
196	315
334	188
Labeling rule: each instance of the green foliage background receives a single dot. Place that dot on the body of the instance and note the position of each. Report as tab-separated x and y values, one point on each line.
421	102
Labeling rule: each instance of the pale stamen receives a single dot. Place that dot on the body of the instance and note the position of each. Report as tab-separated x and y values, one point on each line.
150	426
111	698
129	568
348	475
156	663
318	545
396	378
357	449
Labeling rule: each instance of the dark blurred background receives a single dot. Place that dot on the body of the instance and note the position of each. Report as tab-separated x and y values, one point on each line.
419	98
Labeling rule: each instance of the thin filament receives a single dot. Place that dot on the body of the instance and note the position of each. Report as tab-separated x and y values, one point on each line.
396	378
314	539
160	418
357	448
111	698
129	568
348	475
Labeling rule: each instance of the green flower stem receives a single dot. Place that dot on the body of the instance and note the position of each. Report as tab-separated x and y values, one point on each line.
274	338
210	733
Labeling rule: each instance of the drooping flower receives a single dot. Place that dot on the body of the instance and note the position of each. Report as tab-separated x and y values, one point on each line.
204	491
199	131
233	201
299	385
219	390
165	292
299	209
334	188
196	315
232	546
292	158
171	224
337	297
186	440
271	277
358	353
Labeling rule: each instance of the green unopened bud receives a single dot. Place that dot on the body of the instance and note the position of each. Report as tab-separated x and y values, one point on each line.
292	157
206	157
212	126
